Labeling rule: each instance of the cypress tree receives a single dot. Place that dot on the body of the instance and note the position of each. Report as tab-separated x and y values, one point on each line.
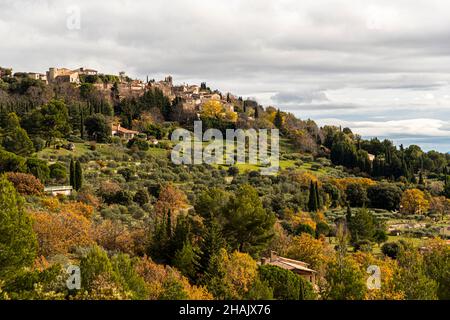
72	173
278	120
212	242
78	176
421	181
312	203
319	205
413	178
159	243
180	235
348	216
186	260
81	124
447	187
405	170
169	225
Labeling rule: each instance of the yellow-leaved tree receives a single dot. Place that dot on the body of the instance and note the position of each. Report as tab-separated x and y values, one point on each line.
387	267
166	283
212	109
215	109
414	201
231	276
306	248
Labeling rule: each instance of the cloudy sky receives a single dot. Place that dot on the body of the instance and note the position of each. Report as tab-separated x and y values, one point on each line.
379	67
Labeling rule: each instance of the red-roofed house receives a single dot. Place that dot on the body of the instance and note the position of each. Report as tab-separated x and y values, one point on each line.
299	267
122	132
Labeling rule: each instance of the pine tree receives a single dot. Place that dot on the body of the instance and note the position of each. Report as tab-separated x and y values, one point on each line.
362	226
78	176
248	225
18	244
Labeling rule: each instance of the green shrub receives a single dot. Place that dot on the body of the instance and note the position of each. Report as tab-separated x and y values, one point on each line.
286	285
58	171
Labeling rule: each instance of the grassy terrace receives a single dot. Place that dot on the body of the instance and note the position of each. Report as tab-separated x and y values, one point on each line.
111	151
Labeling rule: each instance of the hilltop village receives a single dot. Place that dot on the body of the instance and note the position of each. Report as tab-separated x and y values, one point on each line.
189	98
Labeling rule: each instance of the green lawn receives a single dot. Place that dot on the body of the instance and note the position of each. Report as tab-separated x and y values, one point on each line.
376	249
106	150
52	153
158	152
414	241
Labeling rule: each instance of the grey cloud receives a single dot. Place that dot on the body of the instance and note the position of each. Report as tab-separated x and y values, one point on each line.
274	50
299	97
320	107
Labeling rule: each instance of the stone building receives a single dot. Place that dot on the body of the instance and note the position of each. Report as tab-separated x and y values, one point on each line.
124	133
299	267
61	75
38	76
5	72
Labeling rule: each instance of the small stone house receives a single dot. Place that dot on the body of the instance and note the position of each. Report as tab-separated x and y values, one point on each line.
124	133
299	267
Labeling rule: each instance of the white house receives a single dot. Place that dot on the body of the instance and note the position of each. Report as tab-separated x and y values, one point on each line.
59	190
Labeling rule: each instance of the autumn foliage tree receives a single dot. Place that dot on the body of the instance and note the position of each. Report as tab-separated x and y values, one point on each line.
170	198
437	266
388	268
440	206
25	184
411	277
164	282
215	109
344	280
413	202
61	228
113	236
306	248
231	276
